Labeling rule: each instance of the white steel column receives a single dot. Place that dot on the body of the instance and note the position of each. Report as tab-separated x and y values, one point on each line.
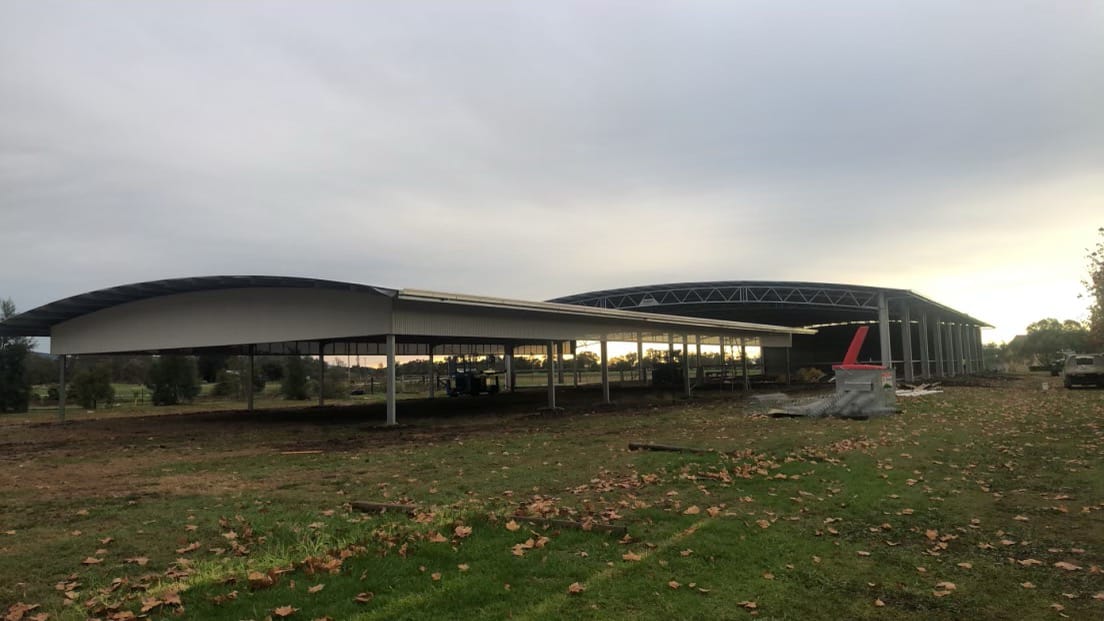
949	339
980	348
686	364
62	359
960	354
321	374
697	359
560	361
575	363
433	375
883	333
551	356
940	360
925	357
906	342
640	356
724	365
249	382
605	372
744	364
391	418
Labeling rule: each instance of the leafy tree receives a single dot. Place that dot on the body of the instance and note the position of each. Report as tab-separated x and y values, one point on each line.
92	386
294	384
1046	337
42	369
588	361
209	365
15	387
271	367
1095	287
172	380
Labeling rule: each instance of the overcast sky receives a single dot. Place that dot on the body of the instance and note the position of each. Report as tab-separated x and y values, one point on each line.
539	149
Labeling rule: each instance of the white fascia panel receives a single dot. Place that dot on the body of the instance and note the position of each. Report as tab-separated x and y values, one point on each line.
224	317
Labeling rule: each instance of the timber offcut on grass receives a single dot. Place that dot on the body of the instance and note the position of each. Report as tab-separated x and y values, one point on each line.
639	446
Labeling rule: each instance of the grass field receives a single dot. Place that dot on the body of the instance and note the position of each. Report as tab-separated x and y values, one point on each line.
982	502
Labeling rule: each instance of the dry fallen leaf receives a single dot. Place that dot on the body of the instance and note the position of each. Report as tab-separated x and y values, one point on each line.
879	603
316	588
966	565
692	510
91	560
435	576
284	611
512	526
1067	566
1027	585
673	584
575	588
463	567
462	531
364	598
631	556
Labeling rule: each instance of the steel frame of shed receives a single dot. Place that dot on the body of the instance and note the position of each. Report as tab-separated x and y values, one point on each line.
247	315
925	324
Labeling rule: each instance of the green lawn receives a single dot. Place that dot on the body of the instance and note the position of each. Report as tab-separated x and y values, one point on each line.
981	502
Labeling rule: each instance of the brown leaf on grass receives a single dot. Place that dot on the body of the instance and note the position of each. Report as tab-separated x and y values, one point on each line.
763	523
436	537
171	598
1027	585
191	547
1067	566
284	611
946	586
512	526
435	576
1028	562
965	565
1021	518
316	588
692	510
748	605
932	535
631	556
879	603
257	580
768	576
463	567
91	560
463	531
713	511
364	598
941	593
106	540
1099	595
17	610
674	584
863	553
575	588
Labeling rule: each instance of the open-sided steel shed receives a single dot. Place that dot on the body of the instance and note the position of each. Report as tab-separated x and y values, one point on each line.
918	335
250	315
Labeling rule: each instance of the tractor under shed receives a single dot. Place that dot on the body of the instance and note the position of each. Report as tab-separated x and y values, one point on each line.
250	315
